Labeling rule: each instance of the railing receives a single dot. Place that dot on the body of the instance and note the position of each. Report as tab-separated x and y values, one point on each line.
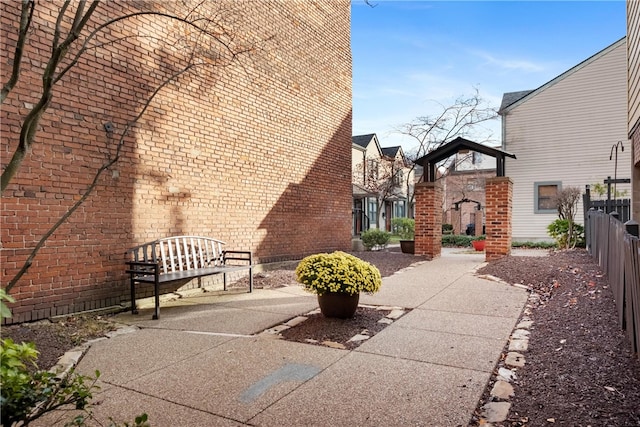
616	248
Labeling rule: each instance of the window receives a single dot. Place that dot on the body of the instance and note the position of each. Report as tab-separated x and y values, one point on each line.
544	197
399	209
372	169
373	212
398	177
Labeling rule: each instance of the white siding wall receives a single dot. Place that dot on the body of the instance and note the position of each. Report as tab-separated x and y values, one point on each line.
565	133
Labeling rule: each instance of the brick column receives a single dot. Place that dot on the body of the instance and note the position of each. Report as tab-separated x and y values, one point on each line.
479	221
499	204
428	235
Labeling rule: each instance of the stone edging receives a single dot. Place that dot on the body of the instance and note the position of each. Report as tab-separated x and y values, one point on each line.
394	314
71	358
496	410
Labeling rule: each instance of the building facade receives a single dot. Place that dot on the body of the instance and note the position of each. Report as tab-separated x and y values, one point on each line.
563	134
251	148
382	184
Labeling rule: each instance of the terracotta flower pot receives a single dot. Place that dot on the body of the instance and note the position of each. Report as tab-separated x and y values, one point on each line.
338	304
478	245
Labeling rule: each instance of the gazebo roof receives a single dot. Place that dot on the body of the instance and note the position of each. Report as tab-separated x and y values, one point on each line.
430	161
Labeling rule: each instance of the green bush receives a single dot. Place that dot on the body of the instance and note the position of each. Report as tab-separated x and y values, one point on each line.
447	229
456	240
559	230
28	393
534	245
375	238
404	227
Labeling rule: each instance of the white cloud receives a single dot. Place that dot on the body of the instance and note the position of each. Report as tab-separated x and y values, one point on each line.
511	64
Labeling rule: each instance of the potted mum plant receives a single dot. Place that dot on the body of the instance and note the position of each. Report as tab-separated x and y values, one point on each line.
338	278
478	242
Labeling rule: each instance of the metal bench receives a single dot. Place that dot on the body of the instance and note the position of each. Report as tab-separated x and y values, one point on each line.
180	258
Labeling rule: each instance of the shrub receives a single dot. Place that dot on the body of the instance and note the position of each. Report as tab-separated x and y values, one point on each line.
456	240
447	228
560	231
375	238
404	227
534	245
28	393
338	272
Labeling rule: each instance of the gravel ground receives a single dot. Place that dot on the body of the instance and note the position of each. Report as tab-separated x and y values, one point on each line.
579	370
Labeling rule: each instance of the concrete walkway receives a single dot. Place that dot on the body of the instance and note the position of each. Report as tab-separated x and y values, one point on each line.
206	362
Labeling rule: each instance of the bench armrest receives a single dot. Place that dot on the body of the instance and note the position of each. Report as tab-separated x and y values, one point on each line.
237	256
141	268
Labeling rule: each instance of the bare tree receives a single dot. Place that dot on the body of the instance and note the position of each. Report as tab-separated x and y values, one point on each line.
457	120
566	201
203	39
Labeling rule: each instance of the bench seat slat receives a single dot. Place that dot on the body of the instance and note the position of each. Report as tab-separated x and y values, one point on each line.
189	274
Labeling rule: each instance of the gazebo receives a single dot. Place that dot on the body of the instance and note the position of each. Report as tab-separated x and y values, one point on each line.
429	196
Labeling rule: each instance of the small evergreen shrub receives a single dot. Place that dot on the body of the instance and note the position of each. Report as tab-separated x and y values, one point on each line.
456	240
375	238
404	227
534	245
447	229
559	230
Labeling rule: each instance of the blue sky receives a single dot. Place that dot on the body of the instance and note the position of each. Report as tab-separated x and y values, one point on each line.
410	55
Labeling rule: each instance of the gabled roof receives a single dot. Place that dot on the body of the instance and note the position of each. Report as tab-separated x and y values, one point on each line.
392	151
512	99
363	140
429	161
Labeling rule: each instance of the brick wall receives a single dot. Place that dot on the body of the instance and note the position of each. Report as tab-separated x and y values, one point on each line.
465	184
499	200
256	153
428	234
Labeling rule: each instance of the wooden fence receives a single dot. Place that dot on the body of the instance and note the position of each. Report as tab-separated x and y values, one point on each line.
618	254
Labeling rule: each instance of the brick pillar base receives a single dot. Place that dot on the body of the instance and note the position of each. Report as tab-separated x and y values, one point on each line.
499	201
428	216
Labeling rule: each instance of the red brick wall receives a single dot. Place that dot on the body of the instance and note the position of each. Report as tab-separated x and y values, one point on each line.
499	199
428	234
257	153
465	184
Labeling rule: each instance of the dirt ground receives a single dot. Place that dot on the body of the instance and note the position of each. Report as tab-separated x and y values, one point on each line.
579	370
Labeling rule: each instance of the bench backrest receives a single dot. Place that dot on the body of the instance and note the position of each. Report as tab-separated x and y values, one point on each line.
180	253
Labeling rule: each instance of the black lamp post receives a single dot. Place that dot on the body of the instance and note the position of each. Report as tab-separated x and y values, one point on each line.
615	170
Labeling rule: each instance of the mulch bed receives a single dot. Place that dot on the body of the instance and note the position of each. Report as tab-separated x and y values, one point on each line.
321	330
579	368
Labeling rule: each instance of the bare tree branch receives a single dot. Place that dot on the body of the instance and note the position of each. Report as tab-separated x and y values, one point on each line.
207	33
59	49
431	132
26	17
29	261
